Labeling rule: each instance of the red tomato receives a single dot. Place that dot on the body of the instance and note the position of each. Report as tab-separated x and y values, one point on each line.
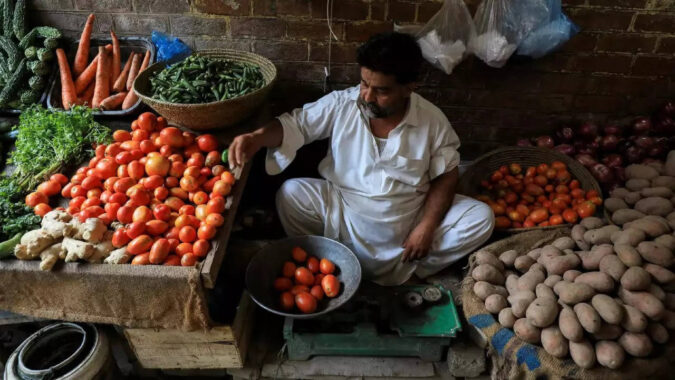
317	292
200	198
59	178
330	285
136	170
216	205
196	160
228	178
186	210
161	211
212	159
106	168
35	198
303	276
137	155
122	171
188	260
183	248
96	193
49	188
139	245
161	193
326	266
113	149
142	214
111	209
117	198
288	269
313	264
158	165
187	234
139	196
287	301
121	135
122	185
65	191
140	135
76	202
100	151
217	170
299	289
299	254
204	173
282	284
207	143
123	158
201	248
90	202
179	193
156	227
148	146
172	260
318	278
177	169
161	123
135	229
109	184
42	209
172	137
202	212
141	259
206	232
174	244
189	140
159	251
120	238
147	121
305	302
215	220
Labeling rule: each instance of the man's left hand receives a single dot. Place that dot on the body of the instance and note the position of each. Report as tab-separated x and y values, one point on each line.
418	242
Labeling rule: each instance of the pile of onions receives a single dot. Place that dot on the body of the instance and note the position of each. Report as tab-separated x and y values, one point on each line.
606	151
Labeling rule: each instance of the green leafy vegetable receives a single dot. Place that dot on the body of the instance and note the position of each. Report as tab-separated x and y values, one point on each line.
15	216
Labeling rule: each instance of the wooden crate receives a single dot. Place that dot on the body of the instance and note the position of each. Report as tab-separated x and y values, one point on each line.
221	347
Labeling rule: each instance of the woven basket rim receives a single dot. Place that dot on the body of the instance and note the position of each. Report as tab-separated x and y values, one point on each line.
218	53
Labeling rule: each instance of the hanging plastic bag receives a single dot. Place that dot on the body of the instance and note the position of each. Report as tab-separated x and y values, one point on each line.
445	37
169	48
549	36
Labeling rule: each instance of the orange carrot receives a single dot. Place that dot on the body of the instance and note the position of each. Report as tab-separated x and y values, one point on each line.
116	59
130	100
89	73
121	82
113	101
68	94
88	94
146	61
135	66
82	55
102	89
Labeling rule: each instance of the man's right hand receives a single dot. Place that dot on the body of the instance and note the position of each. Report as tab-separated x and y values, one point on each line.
243	148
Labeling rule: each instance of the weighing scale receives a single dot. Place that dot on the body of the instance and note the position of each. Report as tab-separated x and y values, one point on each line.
407	320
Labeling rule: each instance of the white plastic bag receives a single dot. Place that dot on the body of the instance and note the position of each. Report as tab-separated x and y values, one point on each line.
445	37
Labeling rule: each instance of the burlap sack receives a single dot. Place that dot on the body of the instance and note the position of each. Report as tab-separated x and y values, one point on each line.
516	359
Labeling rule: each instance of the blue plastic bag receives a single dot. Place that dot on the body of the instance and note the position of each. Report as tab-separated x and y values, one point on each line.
550	35
169	49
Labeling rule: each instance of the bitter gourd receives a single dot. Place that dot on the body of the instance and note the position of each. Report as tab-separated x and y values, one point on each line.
46	32
7	12
9	47
19	21
45	55
31	52
51	43
13	84
38	67
37	82
29	97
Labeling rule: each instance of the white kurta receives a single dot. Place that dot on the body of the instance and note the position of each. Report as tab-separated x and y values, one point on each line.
371	200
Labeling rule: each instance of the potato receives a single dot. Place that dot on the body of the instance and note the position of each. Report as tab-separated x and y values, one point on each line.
669	167
655	253
608	332
630	236
652	227
529	280
574	293
506	317
542	312
591	260
613	266
657	292
658	191
508	257
637	184
561	264
485	257
654	206
610	354
643	301
658	165
599	281
552	280
512	284
633	320
483	289
523	263
569	325
487	272
559	285
632	198
610	311
564	242
537	267
626	215
659	273
571	275
613	204
668	320
619	192
592	223
588	317
667	241
542	290
636	344
554	342
577	234
548	252
635	279
664	181
669	302
628	255
583	353
602	235
657	333
494	303
641	171
520	301
526	331
670	216
535	253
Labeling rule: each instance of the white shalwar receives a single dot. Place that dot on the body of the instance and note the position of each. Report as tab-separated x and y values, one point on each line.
370	200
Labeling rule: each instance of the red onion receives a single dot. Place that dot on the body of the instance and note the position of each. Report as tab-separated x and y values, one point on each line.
612	129
644	142
588	130
564	134
585	159
664	126
609	143
523	142
620	173
669	109
613	160
566	149
642	126
657	151
602	173
545	142
633	154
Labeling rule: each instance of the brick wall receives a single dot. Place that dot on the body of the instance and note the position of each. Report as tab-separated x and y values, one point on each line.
621	64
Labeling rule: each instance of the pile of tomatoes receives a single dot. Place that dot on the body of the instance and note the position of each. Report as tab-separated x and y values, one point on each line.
165	186
305	281
545	195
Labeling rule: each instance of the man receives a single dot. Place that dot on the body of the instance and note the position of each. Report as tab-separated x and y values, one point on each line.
388	191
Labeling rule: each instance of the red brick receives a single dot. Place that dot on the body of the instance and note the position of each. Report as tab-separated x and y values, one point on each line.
651	66
349	74
340	52
282	50
220	43
627	43
342	9
605	63
566	83
666	45
300	71
661	22
452	97
161	6
598	103
638	4
620	85
377	9
70	21
400	11
427	10
220	7
590	19
363	30
558	61
580	42
192	25
104	5
642	105
293	7
312	30
258	27
143	25
51	4
264	7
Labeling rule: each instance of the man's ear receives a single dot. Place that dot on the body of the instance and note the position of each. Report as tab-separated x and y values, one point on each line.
410	87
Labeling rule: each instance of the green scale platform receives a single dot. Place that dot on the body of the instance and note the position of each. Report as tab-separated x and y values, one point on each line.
378	321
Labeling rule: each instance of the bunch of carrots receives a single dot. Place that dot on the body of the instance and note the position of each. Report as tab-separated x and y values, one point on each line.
100	83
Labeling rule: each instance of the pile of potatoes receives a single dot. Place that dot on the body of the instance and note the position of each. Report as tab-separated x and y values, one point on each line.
649	190
596	295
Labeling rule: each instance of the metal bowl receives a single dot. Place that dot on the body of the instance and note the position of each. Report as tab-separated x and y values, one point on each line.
266	266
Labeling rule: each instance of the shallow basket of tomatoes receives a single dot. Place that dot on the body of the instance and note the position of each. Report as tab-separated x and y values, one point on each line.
502	175
268	265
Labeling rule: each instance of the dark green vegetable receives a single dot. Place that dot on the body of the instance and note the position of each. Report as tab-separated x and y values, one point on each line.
13	84
29	39
12	52
38	67
19	21
200	79
29	97
30	52
51	43
15	216
45	55
37	82
7	246
47	32
224	157
7	12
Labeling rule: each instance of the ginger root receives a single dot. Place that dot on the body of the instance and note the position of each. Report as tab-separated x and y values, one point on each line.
92	230
56	223
50	256
75	249
32	243
102	249
118	256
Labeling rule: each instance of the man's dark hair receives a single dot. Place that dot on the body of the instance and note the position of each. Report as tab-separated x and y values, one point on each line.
392	53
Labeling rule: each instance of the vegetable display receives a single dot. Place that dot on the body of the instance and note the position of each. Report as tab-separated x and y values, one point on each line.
25	56
161	191
305	281
545	195
200	79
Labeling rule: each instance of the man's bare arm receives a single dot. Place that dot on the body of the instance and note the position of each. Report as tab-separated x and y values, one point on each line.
245	146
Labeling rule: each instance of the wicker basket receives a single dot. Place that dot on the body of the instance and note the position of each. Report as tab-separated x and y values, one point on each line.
469	183
212	115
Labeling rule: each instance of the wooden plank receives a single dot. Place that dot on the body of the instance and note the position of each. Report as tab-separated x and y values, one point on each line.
242	325
211	266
